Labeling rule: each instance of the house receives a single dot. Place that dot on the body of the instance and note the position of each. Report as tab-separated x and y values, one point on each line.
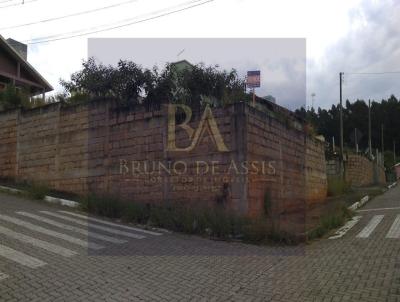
180	66
15	69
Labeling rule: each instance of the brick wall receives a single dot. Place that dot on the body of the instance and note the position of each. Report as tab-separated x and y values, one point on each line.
300	181
360	171
8	144
95	147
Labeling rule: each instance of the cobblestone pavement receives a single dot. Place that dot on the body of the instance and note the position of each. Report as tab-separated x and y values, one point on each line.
46	255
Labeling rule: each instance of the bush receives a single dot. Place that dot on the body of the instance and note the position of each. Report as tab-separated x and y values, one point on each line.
215	222
38	191
338	186
11	98
107	206
331	221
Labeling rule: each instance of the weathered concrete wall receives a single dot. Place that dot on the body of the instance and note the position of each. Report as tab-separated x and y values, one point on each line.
8	144
102	148
360	171
300	180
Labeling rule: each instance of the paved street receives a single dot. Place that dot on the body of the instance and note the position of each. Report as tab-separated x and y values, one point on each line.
48	254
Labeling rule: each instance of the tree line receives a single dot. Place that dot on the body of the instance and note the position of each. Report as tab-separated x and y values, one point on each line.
385	113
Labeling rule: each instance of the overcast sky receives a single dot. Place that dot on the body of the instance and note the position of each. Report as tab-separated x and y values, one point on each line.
350	35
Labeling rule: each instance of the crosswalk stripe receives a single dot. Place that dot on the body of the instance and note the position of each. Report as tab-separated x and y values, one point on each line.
72	228
45	231
394	231
373	223
3	276
38	243
19	257
112	224
94	226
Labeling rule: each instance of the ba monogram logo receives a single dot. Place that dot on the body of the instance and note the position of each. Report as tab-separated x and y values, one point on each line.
207	123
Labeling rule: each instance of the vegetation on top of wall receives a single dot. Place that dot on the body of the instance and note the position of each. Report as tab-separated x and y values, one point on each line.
130	83
13	98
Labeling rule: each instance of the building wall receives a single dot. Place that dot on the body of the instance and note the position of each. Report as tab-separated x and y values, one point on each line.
7	63
87	148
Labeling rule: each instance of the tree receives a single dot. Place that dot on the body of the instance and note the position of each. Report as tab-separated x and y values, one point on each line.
13	98
355	115
130	83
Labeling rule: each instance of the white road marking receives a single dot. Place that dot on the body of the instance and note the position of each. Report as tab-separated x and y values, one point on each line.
379	209
94	226
20	258
72	228
373	223
394	231
112	224
38	243
3	276
45	231
344	229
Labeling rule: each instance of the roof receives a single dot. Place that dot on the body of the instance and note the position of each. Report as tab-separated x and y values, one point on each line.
24	63
182	65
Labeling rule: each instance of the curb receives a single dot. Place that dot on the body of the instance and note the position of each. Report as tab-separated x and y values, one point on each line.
49	199
359	204
366	198
11	190
60	201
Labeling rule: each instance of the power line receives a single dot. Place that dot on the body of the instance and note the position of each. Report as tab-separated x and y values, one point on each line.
70	15
81	33
18	4
372	73
4	1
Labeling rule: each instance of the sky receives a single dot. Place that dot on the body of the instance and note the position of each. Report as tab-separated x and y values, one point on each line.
350	36
281	62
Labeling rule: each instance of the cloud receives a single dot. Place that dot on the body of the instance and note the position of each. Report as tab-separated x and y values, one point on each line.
371	45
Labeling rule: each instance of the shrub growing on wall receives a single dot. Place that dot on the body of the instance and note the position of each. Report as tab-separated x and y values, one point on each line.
12	98
129	83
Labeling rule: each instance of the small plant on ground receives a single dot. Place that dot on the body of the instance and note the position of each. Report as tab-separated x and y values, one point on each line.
338	186
37	190
216	222
331	221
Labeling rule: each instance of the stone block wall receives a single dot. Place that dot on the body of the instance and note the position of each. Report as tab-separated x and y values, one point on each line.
360	171
104	148
8	144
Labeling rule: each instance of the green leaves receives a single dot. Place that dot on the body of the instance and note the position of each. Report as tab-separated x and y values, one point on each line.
12	98
129	83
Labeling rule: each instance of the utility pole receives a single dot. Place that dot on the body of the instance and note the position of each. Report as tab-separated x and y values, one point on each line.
383	146
369	129
341	118
394	152
356	139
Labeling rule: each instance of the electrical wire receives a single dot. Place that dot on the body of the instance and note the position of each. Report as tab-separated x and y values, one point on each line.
372	73
70	15
84	32
18	4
